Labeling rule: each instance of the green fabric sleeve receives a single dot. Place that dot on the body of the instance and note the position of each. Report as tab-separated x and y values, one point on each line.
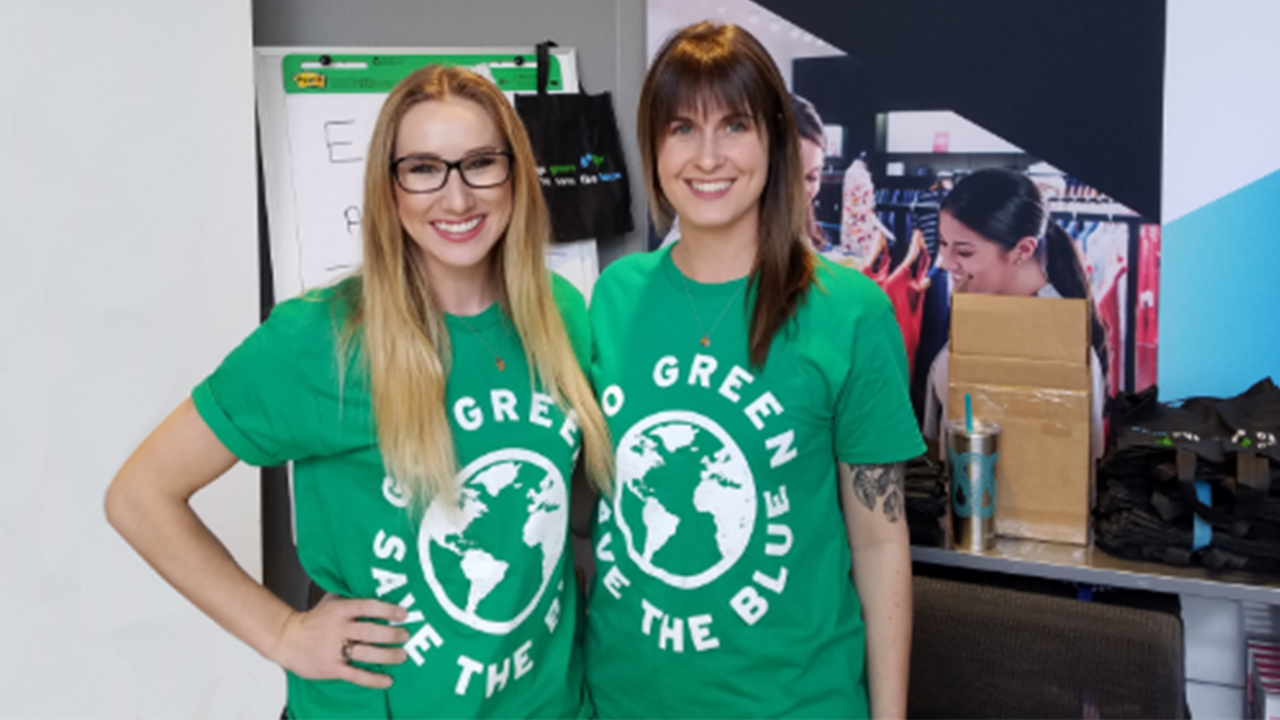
225	428
874	421
263	400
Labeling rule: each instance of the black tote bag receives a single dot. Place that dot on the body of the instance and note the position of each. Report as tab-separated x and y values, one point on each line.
580	162
1196	482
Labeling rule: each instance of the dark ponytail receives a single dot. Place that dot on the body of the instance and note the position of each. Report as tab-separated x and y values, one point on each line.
1062	262
1004	206
1066	273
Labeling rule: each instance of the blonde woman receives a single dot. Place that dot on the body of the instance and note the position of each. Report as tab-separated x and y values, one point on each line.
434	407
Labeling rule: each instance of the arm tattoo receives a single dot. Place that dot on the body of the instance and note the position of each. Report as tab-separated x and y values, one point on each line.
871	482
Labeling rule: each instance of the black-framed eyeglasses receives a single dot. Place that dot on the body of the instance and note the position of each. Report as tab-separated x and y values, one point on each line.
416	174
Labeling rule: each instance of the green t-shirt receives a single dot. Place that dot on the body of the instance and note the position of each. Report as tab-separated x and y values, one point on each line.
723	568
489	587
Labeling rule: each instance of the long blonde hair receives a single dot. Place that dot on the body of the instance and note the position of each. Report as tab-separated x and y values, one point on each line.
405	342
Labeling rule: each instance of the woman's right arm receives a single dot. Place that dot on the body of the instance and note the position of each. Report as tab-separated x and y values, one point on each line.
148	504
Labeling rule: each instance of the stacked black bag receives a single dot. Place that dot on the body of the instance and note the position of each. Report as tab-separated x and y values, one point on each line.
926	491
1196	483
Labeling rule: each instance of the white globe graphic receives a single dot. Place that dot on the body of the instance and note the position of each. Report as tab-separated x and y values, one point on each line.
686	499
489	558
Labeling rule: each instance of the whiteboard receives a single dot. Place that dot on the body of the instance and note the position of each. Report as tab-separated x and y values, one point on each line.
316	112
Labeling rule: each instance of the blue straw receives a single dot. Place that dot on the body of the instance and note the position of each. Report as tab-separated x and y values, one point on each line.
968	414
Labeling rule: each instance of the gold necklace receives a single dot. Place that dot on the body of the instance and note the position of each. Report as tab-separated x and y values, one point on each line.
497	358
706	334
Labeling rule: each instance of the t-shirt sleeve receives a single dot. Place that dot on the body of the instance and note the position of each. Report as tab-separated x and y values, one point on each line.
874	420
573	311
261	402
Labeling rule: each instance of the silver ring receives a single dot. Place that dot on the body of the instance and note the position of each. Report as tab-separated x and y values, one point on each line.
347	647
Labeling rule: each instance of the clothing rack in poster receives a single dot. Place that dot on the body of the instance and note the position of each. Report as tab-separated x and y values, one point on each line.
316	112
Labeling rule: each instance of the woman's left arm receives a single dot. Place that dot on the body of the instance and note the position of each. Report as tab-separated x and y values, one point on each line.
874	506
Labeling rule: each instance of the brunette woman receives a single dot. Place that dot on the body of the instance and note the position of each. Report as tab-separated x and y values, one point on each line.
752	559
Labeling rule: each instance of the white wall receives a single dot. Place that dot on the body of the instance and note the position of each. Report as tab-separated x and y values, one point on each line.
915	131
129	251
1220	201
1220	101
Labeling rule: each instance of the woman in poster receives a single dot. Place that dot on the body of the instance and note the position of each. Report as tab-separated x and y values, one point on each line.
452	348
813	156
747	384
996	236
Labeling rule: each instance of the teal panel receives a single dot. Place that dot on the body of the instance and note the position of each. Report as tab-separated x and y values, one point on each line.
1220	294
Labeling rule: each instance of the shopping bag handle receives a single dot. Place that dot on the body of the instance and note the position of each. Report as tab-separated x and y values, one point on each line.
544	64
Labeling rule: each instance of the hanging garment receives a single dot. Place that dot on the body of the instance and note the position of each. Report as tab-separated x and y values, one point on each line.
1146	325
906	286
935	324
860	229
927	218
1105	247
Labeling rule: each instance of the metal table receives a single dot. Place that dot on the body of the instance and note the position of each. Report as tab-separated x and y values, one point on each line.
1091	566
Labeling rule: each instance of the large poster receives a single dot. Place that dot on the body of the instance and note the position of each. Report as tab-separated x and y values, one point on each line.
911	100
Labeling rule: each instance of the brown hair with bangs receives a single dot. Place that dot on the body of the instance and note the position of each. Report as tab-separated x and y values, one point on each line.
712	65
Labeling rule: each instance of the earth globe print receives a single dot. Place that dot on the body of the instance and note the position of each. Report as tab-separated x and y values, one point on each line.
489	558
686	500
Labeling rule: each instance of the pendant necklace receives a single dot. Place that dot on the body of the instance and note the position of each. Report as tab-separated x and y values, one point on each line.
497	359
706	334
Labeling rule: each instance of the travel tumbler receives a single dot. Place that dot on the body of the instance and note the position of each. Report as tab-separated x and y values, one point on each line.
971	461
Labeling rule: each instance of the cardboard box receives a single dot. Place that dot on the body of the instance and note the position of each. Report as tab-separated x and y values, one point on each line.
1025	363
